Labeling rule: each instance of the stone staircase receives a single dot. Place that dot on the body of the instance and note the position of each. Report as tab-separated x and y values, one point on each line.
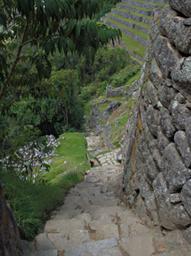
93	221
134	19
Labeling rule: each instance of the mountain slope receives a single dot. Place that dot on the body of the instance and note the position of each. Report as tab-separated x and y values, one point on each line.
134	19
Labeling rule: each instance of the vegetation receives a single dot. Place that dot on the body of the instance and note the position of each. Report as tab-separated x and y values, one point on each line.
112	66
30	33
31	202
53	62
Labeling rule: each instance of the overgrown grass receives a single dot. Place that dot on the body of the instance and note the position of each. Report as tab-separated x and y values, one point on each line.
118	121
32	203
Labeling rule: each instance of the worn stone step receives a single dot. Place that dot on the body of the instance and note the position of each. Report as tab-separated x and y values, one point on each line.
145	4
133	8
44	253
42	243
107	247
131	23
131	15
115	23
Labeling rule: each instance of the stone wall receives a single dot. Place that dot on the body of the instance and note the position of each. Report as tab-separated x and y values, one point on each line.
157	172
9	236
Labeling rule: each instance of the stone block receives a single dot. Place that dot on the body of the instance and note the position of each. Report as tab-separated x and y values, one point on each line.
152	119
166	93
166	123
150	94
176	29
183	147
187	234
155	74
183	6
171	216
163	205
180	98
188	130
162	140
186	196
175	172
181	76
179	216
175	198
180	114
151	168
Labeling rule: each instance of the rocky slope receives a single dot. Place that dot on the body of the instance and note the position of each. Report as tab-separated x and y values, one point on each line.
157	178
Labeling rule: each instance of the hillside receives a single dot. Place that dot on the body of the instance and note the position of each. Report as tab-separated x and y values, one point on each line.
96	137
134	18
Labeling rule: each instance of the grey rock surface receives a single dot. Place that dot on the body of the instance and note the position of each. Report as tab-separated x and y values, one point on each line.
186	196
93	221
183	147
157	173
183	6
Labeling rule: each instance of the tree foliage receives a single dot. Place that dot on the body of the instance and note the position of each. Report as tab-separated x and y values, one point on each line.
50	25
36	97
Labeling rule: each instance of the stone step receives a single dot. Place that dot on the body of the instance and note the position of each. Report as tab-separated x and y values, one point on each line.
137	58
133	16
145	4
127	31
107	247
44	253
131	23
42	243
134	49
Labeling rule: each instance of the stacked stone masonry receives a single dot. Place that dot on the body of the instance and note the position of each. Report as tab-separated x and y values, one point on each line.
10	244
157	177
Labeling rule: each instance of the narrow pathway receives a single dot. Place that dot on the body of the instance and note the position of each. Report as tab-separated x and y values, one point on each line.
94	222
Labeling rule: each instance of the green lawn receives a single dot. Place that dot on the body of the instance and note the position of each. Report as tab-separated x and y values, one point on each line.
32	203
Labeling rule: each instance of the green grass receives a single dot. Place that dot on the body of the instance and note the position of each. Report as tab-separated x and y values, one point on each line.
134	78
70	157
138	8
118	121
126	28
134	46
152	3
141	24
32	203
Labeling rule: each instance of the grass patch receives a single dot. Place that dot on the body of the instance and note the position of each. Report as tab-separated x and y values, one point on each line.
31	203
134	46
118	121
125	28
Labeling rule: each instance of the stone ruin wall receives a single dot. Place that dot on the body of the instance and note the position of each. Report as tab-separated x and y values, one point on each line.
10	244
157	172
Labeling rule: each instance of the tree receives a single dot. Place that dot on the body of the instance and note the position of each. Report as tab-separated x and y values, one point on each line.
49	25
31	31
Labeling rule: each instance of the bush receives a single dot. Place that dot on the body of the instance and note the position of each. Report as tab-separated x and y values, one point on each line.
108	61
31	202
112	66
123	76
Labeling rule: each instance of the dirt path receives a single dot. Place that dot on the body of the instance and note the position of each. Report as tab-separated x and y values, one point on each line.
94	222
